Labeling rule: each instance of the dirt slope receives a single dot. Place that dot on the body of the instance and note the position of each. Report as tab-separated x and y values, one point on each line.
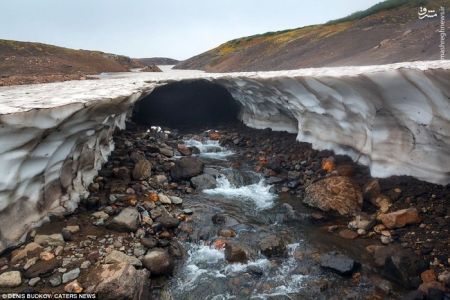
385	33
27	62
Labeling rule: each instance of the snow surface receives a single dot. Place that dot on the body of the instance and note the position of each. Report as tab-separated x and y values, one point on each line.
54	137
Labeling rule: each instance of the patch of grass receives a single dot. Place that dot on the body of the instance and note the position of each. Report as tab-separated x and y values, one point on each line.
385	5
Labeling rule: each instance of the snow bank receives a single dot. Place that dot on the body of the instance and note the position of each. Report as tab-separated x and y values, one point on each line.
54	137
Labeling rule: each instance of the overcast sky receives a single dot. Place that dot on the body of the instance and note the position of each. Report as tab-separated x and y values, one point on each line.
171	28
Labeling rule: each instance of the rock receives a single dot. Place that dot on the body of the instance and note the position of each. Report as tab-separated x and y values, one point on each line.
188	211
142	170
428	276
118	281
235	254
100	215
338	193
119	257
55	280
164	199
383	202
362	221
158	262
41	268
272	245
348	234
121	173
49	240
186	168
85	264
402	266
149	242
226	232
400	218
184	150
30	249
444	277
45	255
34	281
71	275
176	200
10	279
166	152
167	221
426	287
73	287
204	182
126	220
372	190
72	229
338	263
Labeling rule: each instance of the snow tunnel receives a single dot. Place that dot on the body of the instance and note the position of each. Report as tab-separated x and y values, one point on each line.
187	104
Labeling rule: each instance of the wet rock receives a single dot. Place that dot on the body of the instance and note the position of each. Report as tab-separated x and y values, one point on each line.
348	234
272	245
118	281
167	221
400	218
211	171
184	150
186	168
142	170
10	279
338	263
226	232
235	253
188	211
126	220
42	268
71	275
49	240
30	249
158	262
336	193
204	182
120	257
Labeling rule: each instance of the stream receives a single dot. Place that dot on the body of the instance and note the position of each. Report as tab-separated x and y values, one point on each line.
244	202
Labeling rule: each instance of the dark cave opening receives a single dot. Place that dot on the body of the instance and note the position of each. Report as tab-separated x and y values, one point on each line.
187	104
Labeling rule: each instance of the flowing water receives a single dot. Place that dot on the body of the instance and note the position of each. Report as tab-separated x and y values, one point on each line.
245	203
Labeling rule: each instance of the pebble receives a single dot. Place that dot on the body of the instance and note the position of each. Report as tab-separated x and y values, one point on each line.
164	199
176	200
34	281
85	264
188	211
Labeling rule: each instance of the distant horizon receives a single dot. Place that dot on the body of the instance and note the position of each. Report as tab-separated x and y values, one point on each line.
176	30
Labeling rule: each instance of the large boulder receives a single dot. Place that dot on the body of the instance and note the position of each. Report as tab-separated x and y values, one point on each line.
338	193
400	218
186	168
159	262
126	220
204	182
118	281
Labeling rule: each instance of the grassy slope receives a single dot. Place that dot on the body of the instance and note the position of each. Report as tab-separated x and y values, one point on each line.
301	47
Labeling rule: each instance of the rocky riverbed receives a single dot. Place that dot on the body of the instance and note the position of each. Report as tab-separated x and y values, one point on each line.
238	213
